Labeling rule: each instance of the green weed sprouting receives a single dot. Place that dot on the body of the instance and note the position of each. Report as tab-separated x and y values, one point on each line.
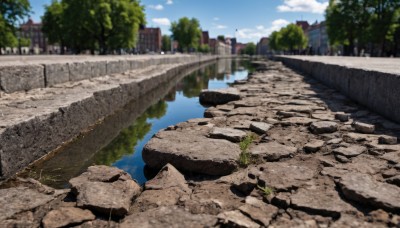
245	157
266	190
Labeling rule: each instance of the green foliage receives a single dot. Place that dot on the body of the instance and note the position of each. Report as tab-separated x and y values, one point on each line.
250	49
274	40
290	38
221	38
245	157
187	32
266	190
166	43
12	12
204	48
103	25
363	22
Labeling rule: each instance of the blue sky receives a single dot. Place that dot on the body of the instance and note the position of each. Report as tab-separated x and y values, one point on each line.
247	20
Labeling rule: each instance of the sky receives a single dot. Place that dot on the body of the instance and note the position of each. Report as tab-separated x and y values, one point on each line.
247	20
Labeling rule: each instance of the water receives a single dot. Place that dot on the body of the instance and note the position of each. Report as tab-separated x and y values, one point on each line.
107	144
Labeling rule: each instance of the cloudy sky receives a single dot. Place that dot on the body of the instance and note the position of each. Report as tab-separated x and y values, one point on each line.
247	20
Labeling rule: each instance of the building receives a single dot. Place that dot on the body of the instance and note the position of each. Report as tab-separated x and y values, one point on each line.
263	46
33	31
239	48
205	38
233	45
303	24
219	48
149	40
318	41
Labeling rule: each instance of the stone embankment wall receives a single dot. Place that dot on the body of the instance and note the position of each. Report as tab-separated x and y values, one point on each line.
34	123
31	73
374	83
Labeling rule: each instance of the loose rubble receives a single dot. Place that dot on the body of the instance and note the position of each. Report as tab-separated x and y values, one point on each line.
316	159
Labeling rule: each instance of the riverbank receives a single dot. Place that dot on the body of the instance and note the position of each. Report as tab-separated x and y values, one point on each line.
38	121
277	150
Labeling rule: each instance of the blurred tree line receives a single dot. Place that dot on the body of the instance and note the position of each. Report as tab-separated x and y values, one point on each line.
12	14
95	25
290	38
370	25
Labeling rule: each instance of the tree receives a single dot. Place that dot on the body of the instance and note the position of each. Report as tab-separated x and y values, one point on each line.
347	22
250	49
292	38
103	25
274	40
384	16
187	32
204	48
11	13
221	38
166	43
53	24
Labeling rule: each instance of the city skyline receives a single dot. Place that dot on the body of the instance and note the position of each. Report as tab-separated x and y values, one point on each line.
221	18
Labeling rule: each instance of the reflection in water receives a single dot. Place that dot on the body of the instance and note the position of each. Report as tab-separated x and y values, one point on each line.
107	144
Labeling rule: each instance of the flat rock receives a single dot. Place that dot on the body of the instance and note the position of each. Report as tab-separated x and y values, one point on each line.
323	127
342	117
236	219
259	211
297	120
106	198
284	176
105	190
191	152
99	173
168	217
214	112
272	151
320	200
16	200
230	134
260	127
385	139
363	189
323	116
364	128
167	177
213	197
313	146
220	96
394	180
66	216
351	151
252	111
164	189
393	157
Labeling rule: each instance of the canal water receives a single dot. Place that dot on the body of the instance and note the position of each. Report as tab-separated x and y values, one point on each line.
118	141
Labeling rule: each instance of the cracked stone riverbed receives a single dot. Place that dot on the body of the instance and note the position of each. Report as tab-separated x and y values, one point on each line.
277	149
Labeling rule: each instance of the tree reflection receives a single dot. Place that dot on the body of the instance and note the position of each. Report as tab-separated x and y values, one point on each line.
128	138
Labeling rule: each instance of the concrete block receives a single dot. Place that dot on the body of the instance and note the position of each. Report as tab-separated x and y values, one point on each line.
56	73
114	67
99	69
80	71
21	78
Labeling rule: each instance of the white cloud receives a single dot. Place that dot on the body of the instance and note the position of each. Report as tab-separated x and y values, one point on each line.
309	6
260	31
216	18
156	7
161	21
169	2
221	27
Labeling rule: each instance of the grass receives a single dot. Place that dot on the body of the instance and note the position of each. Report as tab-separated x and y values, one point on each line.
245	157
266	190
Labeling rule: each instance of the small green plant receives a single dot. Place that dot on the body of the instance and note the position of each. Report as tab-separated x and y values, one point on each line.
266	190
245	157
